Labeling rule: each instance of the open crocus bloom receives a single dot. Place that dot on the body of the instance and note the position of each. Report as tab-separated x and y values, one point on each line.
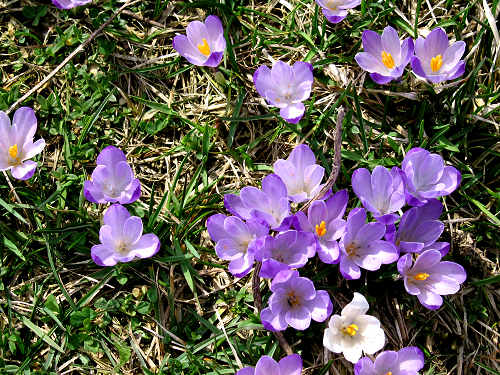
122	239
68	4
353	332
336	10
419	229
290	365
324	220
287	250
295	302
407	361
429	278
300	173
362	246
204	44
285	87
385	57
16	143
112	180
236	241
436	60
382	193
427	177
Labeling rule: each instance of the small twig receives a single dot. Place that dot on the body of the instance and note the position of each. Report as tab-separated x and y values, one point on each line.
257	299
18	199
69	57
336	162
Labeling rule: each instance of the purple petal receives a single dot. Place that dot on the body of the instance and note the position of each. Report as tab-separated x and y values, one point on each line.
215	227
380	79
459	71
147	246
132	229
103	256
274	187
416	66
372	43
363	367
273	322
24	124
385	361
298	318
329	252
452	55
426	260
349	269
303	72
369	62
33	149
449	180
370	232
291	365
241	266
262	81
411	359
131	193
405	263
436	43
451	270
92	194
321	306
391	43
115	216
407	51
266	365
271	268
442	247
385	251
293	112
215	32
337	204
186	49
430	300
246	371
24	171
110	156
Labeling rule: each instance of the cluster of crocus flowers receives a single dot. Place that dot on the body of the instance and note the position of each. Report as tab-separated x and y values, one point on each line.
385	56
204	42
16	143
121	237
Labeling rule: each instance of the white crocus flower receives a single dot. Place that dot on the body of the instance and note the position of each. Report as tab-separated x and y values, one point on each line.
354	332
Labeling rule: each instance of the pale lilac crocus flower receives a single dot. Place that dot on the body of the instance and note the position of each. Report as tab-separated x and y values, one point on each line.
419	229
269	205
324	220
362	246
427	177
429	278
437	61
285	87
300	173
289	365
354	332
16	143
294	302
336	10
385	57
236	241
287	250
407	361
204	44
122	239
112	180
68	4
382	192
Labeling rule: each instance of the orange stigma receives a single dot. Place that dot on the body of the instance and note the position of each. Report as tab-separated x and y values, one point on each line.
204	48
421	276
350	330
13	151
387	60
436	63
321	229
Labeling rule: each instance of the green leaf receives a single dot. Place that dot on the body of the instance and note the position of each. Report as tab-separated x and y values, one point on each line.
40	333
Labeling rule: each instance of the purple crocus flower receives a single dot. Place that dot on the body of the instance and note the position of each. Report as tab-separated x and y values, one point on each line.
289	365
269	205
285	87
236	241
336	10
290	249
429	278
300	173
324	220
68	4
295	302
122	239
407	361
204	44
427	177
16	143
419	229
382	193
112	180
361	246
436	60
385	56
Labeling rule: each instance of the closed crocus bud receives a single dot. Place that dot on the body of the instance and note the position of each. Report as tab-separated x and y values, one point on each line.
16	143
204	42
436	60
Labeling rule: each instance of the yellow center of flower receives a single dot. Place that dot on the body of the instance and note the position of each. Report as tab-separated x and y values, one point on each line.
351	249
436	63
421	276
13	151
321	229
204	48
292	299
122	248
351	330
388	373
332	4
387	60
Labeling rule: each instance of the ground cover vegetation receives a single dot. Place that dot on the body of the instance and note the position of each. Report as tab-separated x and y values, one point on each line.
192	134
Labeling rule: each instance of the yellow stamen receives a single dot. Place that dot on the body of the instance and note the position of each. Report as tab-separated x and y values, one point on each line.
293	300
387	60
204	48
421	276
351	248
321	229
13	151
388	373
351	330
436	63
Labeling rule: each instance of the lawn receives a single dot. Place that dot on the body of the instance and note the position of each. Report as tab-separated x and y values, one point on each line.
193	134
